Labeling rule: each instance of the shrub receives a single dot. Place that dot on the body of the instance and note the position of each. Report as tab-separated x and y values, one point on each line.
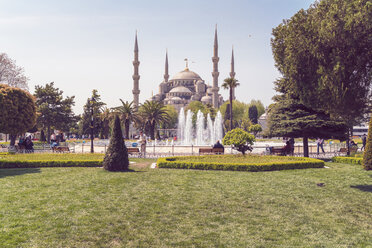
116	158
240	139
45	163
184	163
347	160
367	159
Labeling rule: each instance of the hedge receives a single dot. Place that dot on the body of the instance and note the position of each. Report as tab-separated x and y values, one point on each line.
302	163
347	160
35	164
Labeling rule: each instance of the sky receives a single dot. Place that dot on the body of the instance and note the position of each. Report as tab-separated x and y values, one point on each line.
82	45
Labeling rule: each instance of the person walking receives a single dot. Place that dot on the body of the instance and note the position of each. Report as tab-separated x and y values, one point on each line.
143	144
319	143
364	141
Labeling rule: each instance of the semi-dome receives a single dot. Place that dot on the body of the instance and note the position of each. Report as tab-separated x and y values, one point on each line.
180	89
186	75
176	98
206	99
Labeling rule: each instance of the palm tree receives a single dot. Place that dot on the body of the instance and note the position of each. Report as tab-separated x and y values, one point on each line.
230	83
106	116
127	114
153	113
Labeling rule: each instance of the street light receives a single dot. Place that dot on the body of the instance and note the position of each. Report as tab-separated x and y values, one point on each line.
91	126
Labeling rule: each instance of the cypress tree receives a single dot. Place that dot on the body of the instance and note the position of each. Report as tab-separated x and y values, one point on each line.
116	157
253	114
367	158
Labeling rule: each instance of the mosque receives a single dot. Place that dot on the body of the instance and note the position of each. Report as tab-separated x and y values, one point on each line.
186	86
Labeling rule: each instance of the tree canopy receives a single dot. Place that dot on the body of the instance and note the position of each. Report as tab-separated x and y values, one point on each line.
11	74
17	111
54	111
95	103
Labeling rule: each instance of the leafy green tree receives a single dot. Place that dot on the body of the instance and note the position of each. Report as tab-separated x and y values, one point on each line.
206	109
292	119
230	84
173	118
127	113
106	117
255	129
239	109
116	157
240	139
259	105
54	111
95	103
253	114
153	113
367	157
324	55
17	111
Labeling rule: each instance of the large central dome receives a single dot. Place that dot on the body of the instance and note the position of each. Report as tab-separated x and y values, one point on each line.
186	75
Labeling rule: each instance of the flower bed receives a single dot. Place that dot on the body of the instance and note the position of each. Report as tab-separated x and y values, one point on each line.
348	160
239	163
50	160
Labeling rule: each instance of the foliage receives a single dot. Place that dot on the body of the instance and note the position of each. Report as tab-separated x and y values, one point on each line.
53	157
239	109
367	157
259	105
240	139
11	74
206	109
106	117
54	111
324	55
253	114
93	103
17	111
42	136
230	84
127	114
153	114
173	118
255	129
347	160
116	158
224	163
288	118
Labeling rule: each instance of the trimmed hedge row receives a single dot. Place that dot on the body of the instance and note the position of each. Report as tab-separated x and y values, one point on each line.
35	164
302	163
347	160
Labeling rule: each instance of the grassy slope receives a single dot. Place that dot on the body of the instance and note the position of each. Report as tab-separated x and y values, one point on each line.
89	207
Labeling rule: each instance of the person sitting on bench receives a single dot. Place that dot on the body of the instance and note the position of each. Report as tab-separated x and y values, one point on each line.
219	145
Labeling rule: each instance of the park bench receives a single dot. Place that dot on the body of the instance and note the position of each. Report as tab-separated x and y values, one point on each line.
353	149
60	149
281	151
133	150
211	151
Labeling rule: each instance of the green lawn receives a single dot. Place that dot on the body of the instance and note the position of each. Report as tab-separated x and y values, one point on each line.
89	207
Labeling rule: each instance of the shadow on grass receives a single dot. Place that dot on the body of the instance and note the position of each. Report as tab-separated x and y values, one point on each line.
17	172
365	188
124	171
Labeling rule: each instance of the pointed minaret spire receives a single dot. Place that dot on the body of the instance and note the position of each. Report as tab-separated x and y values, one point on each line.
215	72
232	72
166	75
136	75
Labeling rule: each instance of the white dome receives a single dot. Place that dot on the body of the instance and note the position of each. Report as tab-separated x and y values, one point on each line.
180	89
206	99
176	98
186	75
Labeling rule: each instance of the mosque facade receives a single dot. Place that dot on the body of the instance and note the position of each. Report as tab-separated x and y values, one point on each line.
186	86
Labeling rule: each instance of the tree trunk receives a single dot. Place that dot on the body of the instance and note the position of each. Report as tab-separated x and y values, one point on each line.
127	128
306	146
13	138
348	142
231	108
152	131
48	134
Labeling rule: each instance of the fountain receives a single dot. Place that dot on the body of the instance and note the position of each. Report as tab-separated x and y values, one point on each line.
205	133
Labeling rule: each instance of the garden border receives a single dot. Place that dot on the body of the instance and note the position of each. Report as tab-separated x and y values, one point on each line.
348	160
300	163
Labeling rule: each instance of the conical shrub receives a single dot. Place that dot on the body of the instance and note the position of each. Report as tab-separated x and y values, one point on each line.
367	158
116	157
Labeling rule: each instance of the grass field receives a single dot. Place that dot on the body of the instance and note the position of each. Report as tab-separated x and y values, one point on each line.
89	207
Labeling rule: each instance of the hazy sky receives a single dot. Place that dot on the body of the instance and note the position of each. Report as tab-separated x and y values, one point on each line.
88	44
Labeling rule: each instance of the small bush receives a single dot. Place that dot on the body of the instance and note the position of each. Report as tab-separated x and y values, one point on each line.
367	159
347	160
183	163
44	163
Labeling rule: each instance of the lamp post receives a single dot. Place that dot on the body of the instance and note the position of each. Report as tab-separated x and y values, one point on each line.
91	126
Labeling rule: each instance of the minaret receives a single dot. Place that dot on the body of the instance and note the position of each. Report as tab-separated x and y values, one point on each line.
232	73
136	76
166	75
215	72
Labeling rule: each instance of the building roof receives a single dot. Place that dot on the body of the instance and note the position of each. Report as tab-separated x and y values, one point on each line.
180	89
186	75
